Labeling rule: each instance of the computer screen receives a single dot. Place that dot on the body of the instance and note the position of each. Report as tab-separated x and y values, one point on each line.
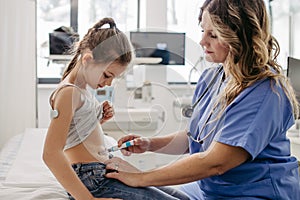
293	73
170	46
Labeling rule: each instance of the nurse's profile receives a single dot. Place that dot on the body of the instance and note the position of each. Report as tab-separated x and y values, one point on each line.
242	110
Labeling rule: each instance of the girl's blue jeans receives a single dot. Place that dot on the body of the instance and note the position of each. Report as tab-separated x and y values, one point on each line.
93	177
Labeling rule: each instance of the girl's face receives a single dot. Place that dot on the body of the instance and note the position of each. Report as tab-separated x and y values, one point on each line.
101	75
215	50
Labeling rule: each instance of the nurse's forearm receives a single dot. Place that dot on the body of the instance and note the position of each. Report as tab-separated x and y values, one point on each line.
183	171
175	143
218	159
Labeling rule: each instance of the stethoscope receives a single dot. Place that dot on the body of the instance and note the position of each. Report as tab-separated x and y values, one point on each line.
188	110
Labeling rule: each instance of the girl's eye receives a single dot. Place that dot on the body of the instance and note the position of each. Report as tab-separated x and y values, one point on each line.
105	75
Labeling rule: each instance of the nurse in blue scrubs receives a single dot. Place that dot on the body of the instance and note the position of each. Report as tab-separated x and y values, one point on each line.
241	112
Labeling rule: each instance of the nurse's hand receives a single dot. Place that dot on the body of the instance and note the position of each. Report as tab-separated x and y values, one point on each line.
141	144
129	178
118	164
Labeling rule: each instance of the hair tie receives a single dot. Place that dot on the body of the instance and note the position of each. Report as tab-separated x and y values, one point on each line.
111	25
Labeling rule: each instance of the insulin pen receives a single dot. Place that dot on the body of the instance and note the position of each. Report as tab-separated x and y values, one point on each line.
124	145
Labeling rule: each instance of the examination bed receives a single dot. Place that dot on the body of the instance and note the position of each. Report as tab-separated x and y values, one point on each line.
23	174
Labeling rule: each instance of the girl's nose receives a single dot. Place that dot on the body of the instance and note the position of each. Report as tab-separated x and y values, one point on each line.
108	82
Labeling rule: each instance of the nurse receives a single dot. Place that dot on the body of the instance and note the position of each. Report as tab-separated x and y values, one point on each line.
237	135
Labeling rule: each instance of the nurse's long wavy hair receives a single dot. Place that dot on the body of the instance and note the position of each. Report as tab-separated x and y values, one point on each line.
244	26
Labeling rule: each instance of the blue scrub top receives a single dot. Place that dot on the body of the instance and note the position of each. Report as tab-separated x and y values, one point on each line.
257	121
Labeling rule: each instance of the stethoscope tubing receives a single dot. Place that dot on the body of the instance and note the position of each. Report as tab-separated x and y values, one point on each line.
198	140
188	110
208	87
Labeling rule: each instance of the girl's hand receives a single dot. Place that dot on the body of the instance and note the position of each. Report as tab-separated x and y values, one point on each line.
108	112
118	164
141	144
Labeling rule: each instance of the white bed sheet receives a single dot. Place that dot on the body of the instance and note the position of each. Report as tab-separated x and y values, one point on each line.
28	178
8	154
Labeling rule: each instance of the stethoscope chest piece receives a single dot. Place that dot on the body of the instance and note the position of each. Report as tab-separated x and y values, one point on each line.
187	111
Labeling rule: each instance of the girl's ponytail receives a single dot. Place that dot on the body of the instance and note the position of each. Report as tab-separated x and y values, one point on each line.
70	66
107	45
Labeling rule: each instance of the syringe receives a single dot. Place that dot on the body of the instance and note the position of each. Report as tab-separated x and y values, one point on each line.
124	145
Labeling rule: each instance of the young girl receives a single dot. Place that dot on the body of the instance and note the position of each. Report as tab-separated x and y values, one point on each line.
74	148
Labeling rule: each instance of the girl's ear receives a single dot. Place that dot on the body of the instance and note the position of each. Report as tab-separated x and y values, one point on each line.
87	58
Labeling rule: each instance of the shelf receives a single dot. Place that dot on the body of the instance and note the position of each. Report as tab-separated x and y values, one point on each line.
49	80
146	60
136	61
60	57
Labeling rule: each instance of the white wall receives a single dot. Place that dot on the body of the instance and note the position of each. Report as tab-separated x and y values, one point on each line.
286	29
156	15
17	67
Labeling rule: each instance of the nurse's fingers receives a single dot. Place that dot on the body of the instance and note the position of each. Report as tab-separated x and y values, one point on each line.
127	138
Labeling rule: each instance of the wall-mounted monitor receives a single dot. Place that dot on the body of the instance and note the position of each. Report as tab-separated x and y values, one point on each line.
293	73
170	46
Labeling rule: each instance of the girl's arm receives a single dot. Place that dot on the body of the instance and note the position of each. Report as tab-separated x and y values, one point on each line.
66	103
218	159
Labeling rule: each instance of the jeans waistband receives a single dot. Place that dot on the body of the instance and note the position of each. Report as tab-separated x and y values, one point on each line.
84	167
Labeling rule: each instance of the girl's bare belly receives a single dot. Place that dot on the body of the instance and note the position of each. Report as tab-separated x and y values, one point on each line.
92	149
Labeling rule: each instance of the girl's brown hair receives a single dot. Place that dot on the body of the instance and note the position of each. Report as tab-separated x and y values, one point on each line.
107	45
